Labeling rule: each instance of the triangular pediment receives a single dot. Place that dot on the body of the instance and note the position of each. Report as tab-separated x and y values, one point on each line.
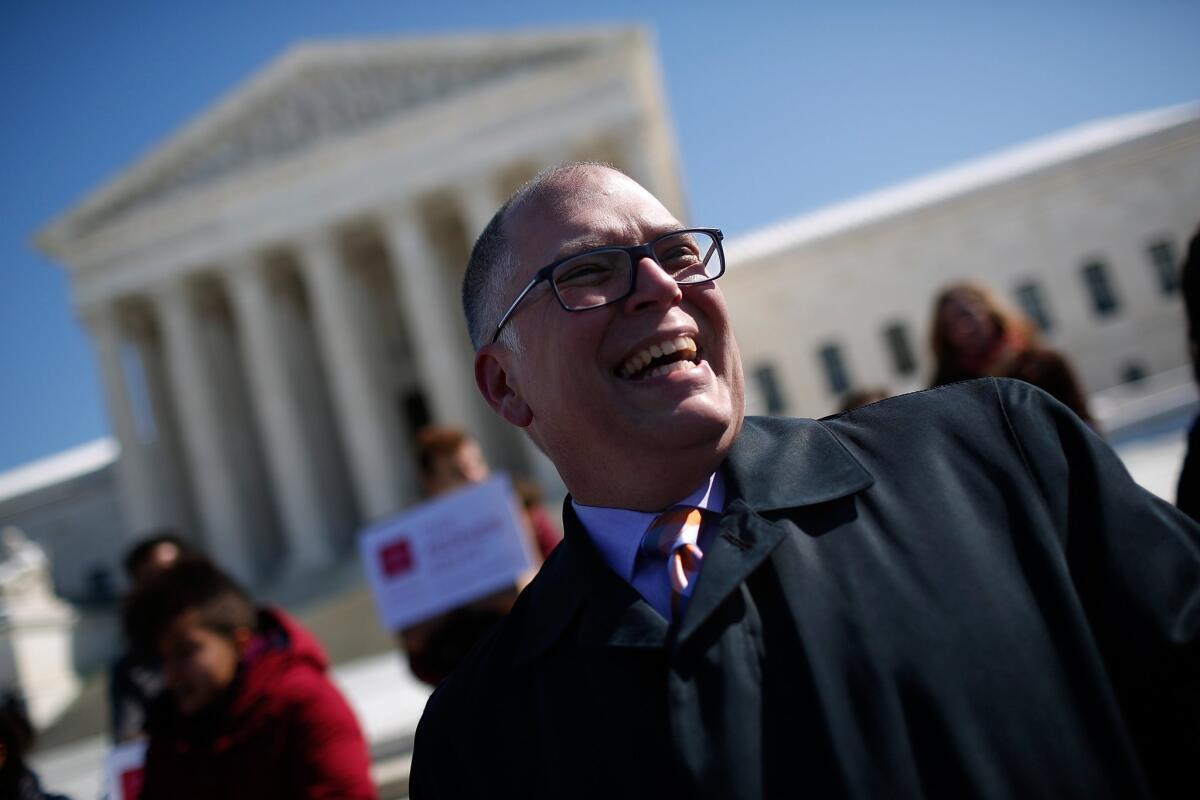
318	93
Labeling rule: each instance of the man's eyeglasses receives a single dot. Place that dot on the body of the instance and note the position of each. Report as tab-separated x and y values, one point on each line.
607	275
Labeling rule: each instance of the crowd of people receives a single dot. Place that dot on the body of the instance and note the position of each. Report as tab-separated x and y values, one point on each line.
230	694
953	593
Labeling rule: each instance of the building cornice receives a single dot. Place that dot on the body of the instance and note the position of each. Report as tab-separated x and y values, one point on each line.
315	97
1039	157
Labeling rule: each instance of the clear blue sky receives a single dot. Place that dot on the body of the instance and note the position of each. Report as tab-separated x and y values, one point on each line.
780	107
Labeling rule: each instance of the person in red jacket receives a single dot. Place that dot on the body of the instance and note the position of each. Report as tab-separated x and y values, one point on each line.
249	711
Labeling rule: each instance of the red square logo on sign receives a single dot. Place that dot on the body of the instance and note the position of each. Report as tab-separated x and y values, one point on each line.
396	558
131	783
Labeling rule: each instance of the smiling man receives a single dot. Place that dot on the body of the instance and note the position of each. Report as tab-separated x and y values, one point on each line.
958	593
593	389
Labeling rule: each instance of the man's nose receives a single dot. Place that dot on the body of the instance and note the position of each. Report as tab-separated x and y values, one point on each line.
654	287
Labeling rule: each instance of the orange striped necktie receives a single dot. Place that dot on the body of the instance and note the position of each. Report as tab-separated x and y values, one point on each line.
673	535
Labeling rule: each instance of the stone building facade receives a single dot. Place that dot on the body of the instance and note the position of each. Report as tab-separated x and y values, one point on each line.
1084	230
273	292
69	504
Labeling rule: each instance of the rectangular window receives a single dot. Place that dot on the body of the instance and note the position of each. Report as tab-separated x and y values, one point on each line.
900	348
1133	372
1029	298
835	369
1104	299
768	389
1162	258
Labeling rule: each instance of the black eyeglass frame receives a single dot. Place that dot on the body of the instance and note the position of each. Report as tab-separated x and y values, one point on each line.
635	253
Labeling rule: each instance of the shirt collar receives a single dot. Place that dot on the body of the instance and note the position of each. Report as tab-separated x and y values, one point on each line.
617	532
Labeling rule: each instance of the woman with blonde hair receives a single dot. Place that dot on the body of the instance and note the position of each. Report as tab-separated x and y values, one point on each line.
977	334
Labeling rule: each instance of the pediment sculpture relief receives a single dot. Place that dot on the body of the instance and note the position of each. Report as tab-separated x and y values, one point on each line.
324	103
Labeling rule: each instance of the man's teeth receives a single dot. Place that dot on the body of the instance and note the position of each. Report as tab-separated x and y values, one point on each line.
663	369
684	345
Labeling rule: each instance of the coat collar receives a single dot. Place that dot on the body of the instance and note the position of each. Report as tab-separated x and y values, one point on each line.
806	463
774	464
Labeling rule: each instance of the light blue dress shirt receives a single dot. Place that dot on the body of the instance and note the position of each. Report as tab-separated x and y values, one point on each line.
617	534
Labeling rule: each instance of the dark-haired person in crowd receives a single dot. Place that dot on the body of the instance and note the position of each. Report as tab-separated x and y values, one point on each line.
955	593
1188	492
448	459
975	334
17	780
248	710
134	683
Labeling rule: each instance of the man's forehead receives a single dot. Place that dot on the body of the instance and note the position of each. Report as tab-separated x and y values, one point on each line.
587	211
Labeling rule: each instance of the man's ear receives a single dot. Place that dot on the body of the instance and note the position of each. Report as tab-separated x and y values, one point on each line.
494	381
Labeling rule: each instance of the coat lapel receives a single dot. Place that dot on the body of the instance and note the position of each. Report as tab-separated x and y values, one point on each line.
575	585
743	542
617	616
774	464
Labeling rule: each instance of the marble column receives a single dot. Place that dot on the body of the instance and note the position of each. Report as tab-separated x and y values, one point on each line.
167	446
225	517
142	501
555	156
439	340
479	202
292	465
383	478
635	152
649	161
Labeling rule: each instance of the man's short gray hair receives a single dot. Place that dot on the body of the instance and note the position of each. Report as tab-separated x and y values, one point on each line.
493	260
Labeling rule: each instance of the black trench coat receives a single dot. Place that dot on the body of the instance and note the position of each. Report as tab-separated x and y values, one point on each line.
956	593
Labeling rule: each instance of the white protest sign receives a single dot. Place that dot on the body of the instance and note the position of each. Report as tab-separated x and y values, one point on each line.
445	553
124	766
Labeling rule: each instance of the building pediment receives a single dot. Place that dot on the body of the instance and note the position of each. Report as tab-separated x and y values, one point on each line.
319	93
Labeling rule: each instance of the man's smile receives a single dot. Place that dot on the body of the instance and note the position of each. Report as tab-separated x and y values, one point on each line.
671	354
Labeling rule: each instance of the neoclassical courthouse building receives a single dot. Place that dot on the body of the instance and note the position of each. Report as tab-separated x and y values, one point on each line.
272	293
